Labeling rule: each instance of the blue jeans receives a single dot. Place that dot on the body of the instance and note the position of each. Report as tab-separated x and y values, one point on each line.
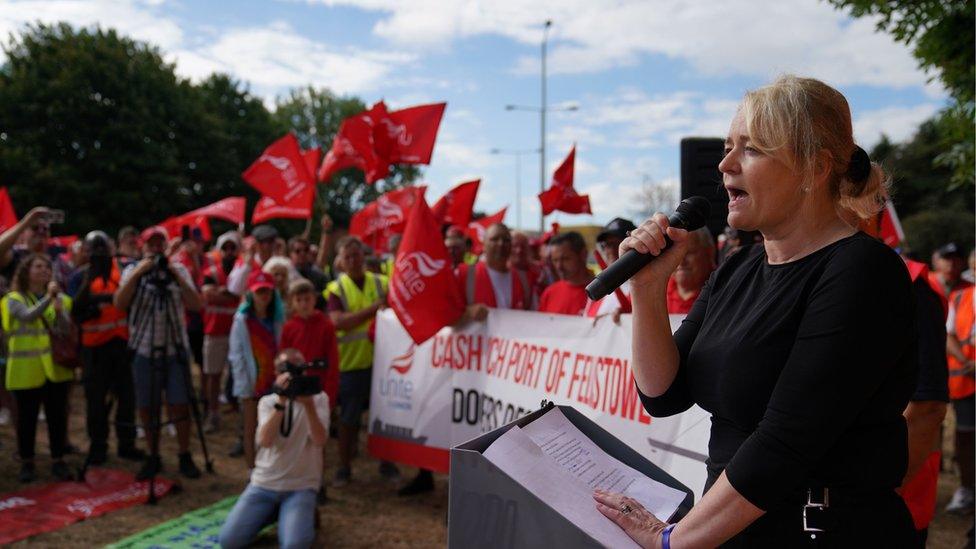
255	509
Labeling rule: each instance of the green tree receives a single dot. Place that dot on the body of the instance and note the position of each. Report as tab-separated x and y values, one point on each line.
315	116
932	212
942	34
240	128
93	123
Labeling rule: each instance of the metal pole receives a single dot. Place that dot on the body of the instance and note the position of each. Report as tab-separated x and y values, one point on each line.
542	128
518	190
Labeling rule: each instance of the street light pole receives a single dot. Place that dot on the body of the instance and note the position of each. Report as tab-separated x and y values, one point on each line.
517	153
542	126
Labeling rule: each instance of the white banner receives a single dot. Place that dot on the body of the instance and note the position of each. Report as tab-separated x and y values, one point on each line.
463	383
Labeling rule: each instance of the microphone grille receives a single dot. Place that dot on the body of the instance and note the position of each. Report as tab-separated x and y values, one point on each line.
693	212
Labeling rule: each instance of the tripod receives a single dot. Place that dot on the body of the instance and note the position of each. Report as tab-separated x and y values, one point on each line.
163	306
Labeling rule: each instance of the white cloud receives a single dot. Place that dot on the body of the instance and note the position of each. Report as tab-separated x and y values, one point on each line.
275	56
898	123
272	57
141	21
742	37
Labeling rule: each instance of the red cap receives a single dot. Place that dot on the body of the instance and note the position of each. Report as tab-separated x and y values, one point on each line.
151	232
258	280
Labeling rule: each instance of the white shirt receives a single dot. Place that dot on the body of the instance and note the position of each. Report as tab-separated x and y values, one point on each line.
292	462
501	282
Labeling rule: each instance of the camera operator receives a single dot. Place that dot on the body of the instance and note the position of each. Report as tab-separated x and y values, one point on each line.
288	468
148	331
104	341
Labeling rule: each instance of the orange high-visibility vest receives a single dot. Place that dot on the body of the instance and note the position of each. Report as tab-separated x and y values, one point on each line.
111	322
961	385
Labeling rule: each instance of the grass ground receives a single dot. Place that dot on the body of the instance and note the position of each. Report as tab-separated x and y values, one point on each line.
365	513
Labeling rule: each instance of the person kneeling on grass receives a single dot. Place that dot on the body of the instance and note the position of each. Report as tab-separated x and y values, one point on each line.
287	471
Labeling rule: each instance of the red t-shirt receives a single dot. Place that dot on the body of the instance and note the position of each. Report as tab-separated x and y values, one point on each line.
676	305
315	337
563	298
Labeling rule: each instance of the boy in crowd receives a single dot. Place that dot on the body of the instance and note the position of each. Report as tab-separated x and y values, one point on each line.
310	331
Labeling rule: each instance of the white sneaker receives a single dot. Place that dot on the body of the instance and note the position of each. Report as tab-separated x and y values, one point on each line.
140	432
170	429
962	501
5	416
42	417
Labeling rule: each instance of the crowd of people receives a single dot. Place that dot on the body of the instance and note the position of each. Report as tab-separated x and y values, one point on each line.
137	318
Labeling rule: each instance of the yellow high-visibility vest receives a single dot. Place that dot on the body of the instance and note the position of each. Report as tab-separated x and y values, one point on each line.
355	348
29	360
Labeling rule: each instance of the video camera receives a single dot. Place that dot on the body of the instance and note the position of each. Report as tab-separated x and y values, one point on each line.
301	384
160	274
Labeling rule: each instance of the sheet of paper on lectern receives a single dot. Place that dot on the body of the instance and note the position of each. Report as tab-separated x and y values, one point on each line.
574	452
520	458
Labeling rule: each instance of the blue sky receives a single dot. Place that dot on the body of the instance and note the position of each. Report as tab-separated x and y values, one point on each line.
643	74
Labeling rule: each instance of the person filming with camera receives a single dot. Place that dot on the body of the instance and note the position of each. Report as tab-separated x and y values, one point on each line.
292	429
154	293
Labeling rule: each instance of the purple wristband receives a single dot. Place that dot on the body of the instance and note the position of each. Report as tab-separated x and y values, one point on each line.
666	536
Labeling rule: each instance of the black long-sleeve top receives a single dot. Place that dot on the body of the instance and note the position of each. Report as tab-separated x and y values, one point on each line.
806	368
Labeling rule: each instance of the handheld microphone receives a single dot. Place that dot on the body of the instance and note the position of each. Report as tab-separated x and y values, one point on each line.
690	215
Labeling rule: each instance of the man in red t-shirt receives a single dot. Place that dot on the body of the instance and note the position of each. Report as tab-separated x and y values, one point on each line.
687	281
219	306
567	251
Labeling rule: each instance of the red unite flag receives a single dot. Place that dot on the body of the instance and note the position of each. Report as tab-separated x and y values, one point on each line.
561	195
477	228
455	207
8	218
385	216
413	132
299	207
280	171
174	225
353	148
229	209
374	139
312	158
423	292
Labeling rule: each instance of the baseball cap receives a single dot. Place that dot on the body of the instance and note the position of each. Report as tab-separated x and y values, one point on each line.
617	226
264	232
258	280
150	232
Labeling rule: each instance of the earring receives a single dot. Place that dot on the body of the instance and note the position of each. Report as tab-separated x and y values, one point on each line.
806	189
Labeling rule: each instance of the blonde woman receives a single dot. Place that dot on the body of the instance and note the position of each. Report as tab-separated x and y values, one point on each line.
801	347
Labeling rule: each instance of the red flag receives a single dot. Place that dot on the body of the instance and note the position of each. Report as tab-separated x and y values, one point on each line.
476	229
561	195
374	139
229	209
353	147
891	231
8	218
311	158
456	206
423	292
280	171
299	207
412	133
174	225
386	216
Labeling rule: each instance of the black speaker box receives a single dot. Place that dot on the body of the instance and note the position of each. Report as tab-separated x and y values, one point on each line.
700	177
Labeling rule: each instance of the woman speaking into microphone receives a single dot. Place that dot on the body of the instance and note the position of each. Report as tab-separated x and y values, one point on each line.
802	348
